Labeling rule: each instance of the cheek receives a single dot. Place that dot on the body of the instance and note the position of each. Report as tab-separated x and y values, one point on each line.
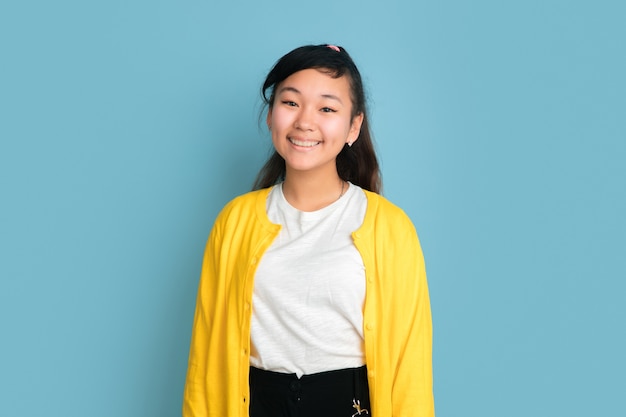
339	127
280	118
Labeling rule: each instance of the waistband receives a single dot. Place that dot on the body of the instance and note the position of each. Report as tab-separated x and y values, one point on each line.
321	377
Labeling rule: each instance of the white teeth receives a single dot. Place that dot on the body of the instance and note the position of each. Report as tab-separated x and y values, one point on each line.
305	143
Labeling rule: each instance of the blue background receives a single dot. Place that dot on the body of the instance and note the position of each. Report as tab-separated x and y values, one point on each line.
126	125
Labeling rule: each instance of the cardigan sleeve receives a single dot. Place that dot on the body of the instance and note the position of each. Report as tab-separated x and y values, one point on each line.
412	391
195	397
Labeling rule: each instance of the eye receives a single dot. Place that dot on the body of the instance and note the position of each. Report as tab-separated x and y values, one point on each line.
289	103
327	110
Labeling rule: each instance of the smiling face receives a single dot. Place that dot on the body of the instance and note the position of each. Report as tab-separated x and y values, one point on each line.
311	121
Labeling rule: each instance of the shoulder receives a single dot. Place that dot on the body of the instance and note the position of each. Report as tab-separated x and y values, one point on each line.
245	201
382	212
246	207
389	231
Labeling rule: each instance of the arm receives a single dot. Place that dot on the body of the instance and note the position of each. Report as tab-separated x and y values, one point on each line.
412	393
195	399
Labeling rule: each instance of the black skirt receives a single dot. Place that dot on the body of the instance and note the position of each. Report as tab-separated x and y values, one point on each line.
340	393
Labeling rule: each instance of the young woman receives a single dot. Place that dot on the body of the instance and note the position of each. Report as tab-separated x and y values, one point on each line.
313	298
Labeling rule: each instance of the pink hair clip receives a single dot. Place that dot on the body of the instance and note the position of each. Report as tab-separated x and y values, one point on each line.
334	48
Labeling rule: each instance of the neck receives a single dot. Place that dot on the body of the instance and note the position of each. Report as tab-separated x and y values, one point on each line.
312	192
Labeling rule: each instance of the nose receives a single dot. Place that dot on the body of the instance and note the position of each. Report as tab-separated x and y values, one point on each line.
305	119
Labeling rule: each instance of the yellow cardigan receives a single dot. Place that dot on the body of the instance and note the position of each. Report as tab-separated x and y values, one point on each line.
396	316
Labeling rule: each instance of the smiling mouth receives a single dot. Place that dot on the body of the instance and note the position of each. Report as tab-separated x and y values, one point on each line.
304	143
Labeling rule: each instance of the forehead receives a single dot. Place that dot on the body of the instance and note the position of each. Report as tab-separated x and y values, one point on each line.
315	82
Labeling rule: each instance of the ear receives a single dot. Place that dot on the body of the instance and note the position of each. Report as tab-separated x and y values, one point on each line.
355	129
268	120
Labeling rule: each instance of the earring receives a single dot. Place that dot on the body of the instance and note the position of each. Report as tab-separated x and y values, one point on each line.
350	144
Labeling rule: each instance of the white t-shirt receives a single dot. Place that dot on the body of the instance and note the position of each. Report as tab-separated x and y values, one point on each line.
309	289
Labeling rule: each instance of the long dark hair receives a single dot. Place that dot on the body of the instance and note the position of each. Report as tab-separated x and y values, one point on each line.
357	163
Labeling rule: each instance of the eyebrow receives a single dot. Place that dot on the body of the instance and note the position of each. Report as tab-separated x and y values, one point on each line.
295	90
